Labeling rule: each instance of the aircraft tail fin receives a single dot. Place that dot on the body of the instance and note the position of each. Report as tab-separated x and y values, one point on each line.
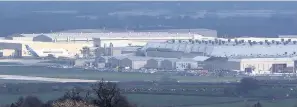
32	52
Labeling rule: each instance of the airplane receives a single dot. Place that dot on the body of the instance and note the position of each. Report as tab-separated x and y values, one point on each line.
50	53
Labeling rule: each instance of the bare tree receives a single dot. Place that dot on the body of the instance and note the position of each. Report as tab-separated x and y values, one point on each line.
107	94
71	103
73	94
29	101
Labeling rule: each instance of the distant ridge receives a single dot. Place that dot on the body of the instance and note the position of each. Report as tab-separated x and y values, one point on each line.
93	31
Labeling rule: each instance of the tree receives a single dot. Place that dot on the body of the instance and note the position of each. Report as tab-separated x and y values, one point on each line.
248	84
257	105
29	101
73	95
71	103
107	94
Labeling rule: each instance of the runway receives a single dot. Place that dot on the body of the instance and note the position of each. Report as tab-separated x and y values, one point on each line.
33	78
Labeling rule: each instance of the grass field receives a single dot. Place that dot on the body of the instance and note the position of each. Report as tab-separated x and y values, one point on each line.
145	100
88	74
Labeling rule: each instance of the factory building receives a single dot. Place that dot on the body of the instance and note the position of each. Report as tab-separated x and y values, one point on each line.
119	39
128	62
287	36
83	62
267	65
174	63
19	37
252	65
114	62
204	32
1	54
17	48
113	51
163	53
253	48
11	49
153	63
44	38
184	64
102	59
75	42
134	62
168	64
217	63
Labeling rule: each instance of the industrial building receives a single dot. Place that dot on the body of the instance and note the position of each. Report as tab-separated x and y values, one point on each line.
134	62
18	49
168	64
154	63
204	32
184	64
270	65
129	62
252	65
75	42
254	48
119	39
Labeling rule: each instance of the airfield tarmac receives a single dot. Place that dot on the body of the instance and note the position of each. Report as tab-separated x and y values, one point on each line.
34	78
20	74
72	73
23	62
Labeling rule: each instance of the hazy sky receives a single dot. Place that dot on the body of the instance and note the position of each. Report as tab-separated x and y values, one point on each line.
148	0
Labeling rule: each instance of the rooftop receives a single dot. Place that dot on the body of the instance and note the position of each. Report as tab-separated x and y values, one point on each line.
230	49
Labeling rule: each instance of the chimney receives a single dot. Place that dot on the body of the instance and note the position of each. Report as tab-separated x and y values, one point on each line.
68	38
105	51
97	42
111	49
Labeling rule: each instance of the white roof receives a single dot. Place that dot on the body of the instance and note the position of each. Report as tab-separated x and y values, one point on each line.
109	35
231	49
263	59
200	58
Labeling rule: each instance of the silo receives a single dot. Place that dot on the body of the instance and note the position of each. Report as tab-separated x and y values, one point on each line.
110	49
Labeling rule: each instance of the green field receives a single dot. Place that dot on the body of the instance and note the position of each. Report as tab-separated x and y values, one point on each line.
143	100
150	100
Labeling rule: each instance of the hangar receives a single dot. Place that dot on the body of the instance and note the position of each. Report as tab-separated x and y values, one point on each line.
11	49
19	37
253	65
271	65
18	49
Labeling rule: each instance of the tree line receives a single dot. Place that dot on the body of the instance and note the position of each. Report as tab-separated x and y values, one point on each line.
101	94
